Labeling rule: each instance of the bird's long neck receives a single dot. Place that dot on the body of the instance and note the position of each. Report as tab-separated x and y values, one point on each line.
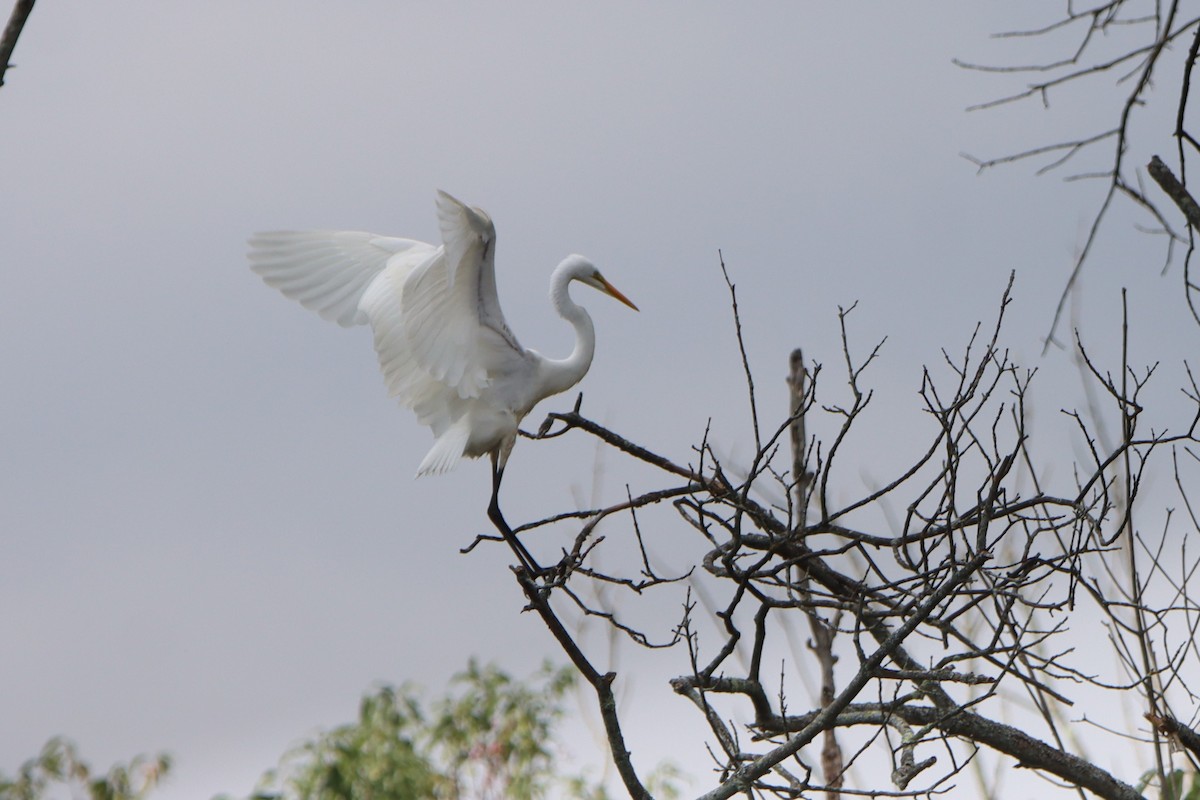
562	374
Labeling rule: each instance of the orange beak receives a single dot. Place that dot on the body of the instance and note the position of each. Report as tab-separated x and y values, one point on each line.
612	290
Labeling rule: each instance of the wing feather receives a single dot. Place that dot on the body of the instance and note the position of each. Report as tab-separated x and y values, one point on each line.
329	271
466	234
453	321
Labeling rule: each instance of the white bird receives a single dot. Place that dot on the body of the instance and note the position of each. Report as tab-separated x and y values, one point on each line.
443	345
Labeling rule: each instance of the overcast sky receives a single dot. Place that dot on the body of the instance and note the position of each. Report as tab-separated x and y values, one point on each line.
212	539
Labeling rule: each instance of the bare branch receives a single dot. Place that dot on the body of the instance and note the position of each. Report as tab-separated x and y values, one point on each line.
12	32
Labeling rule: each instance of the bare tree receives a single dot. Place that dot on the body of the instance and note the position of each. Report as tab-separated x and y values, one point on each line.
1131	44
952	615
924	636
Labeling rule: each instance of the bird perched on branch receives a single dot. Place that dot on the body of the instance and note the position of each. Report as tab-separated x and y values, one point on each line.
444	347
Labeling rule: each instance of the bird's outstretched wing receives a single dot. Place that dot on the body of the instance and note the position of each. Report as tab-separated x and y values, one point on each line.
439	333
329	271
467	234
452	321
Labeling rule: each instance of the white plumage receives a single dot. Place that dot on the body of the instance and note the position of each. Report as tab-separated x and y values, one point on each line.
443	345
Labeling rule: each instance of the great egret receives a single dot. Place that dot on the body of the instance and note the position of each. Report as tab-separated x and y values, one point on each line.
443	345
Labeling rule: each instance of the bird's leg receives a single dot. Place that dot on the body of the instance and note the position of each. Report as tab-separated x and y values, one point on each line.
497	518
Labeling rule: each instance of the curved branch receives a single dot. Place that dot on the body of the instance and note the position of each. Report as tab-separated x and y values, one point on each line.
12	32
1027	750
602	684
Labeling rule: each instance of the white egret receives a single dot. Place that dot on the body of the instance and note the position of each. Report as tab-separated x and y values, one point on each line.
443	345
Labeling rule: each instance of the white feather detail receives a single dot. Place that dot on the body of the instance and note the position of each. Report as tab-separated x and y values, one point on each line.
329	271
447	450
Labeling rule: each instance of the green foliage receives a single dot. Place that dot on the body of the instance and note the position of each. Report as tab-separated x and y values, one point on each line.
494	734
59	764
491	737
1176	787
375	758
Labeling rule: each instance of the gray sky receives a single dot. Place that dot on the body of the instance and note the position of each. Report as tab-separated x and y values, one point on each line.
212	540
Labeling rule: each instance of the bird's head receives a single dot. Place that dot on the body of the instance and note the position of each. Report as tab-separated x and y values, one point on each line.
580	269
